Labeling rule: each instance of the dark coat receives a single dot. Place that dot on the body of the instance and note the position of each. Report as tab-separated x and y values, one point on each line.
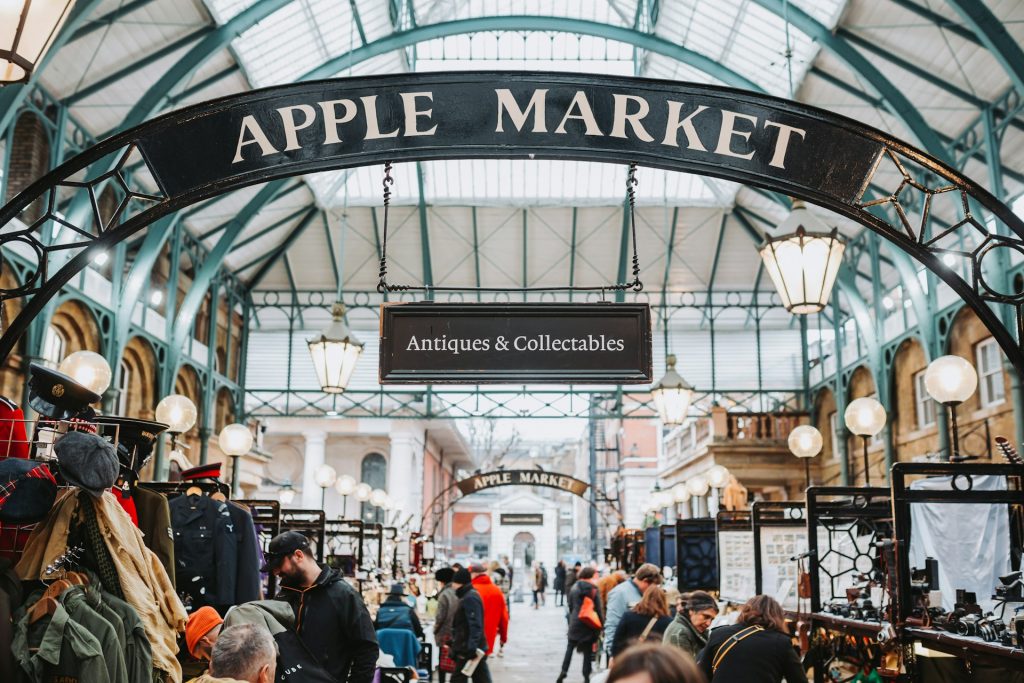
468	624
395	612
247	574
765	657
632	626
155	524
205	550
559	577
578	631
570	579
333	623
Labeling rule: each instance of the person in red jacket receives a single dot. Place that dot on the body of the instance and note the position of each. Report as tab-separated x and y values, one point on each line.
495	609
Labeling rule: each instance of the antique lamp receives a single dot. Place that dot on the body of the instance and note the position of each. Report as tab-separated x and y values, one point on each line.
718	477
803	260
680	494
27	30
89	369
805	442
335	352
345	486
178	413
235	440
951	380
672	395
287	495
325	477
865	417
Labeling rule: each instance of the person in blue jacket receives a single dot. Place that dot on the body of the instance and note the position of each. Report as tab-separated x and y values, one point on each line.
395	612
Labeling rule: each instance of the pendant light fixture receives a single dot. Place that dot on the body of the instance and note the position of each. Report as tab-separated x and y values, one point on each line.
803	261
27	30
672	395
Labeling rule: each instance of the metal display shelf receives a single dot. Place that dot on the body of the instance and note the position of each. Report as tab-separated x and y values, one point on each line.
967	647
696	554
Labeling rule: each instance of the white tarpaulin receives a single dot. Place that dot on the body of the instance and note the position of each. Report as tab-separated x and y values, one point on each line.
971	541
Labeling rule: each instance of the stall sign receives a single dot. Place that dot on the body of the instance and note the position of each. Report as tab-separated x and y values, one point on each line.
554	480
522	519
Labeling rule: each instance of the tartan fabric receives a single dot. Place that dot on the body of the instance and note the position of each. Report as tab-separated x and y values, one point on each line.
38	472
13	537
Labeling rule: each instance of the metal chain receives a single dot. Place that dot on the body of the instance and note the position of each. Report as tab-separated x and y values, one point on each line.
635	284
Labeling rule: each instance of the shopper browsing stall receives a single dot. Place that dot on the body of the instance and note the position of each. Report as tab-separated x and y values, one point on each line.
468	640
495	609
447	604
694	613
242	654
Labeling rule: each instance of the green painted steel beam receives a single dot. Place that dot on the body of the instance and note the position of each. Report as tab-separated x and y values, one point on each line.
285	245
357	20
993	35
108	19
150	58
940	20
269	229
402	39
428	271
718	250
12	96
206	273
205	83
292	186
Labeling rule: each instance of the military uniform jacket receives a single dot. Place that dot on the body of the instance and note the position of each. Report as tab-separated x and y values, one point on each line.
67	652
205	550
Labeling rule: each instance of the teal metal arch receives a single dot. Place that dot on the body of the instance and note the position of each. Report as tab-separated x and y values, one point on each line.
993	35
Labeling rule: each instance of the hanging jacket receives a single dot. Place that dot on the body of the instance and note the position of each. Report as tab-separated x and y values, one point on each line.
55	648
138	654
333	623
155	524
468	624
295	663
495	610
249	560
394	612
81	613
205	550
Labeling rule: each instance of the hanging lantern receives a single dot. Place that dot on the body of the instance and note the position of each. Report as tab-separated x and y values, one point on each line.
286	496
27	30
235	439
803	261
672	395
335	352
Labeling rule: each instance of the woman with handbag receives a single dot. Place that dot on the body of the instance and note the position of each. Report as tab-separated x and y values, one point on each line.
646	620
584	623
758	649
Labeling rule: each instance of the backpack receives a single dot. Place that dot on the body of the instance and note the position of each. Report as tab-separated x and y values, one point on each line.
393	616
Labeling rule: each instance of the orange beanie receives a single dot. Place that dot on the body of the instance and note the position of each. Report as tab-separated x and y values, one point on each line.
199	624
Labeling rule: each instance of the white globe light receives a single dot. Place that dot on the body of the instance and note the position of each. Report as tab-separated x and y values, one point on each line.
718	476
698	486
950	379
177	412
325	476
378	497
865	417
345	485
89	369
805	441
363	492
286	496
235	439
680	493
662	499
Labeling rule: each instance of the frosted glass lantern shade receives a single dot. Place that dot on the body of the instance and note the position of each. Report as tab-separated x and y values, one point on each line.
335	353
363	491
803	262
177	412
718	476
680	493
89	369
286	496
27	30
805	441
378	497
698	486
950	379
865	417
325	476
345	485
672	395
235	439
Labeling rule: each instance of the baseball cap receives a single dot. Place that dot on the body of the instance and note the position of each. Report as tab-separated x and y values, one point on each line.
283	545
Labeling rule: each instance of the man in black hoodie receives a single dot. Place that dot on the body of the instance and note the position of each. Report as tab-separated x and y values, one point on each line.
468	630
330	616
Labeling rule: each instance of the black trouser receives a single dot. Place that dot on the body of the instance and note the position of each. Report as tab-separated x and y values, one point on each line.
588	656
481	675
559	597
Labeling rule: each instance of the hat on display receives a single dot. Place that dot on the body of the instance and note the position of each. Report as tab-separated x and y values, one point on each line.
397	588
200	622
444	574
27	490
87	461
135	437
283	545
462	576
56	395
210	471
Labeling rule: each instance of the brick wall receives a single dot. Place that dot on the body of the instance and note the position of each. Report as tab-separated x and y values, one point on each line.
30	160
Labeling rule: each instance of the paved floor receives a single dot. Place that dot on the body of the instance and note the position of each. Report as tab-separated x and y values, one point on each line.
536	645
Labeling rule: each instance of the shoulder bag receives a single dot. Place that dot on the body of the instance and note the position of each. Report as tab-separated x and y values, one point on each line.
726	647
588	614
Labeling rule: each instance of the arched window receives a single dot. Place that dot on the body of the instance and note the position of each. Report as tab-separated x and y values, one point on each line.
53	347
123	382
374	471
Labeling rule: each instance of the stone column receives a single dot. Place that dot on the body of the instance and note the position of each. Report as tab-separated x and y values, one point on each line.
314	458
405	472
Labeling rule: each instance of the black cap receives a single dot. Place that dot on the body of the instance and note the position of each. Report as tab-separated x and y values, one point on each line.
28	490
462	577
56	395
283	545
135	437
444	574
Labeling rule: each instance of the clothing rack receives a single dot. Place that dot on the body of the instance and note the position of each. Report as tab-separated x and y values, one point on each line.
310	523
173	489
266	517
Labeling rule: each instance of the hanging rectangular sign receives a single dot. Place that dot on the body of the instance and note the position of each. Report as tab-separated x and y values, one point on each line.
429	343
522	519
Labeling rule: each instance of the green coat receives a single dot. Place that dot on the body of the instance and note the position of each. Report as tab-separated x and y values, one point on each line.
67	651
683	635
82	613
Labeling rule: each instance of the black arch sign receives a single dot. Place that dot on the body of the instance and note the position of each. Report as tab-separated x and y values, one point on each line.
215	147
553	480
